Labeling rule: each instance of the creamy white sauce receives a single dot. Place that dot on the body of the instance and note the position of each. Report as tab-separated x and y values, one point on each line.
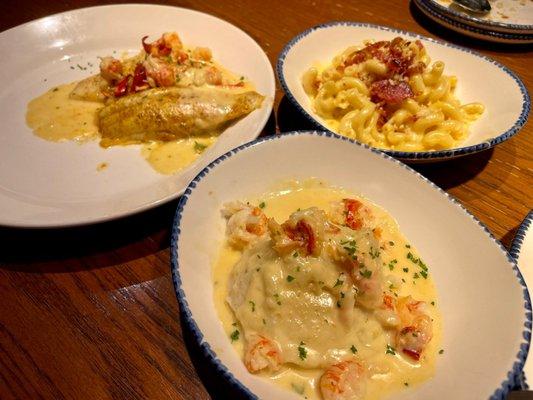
388	373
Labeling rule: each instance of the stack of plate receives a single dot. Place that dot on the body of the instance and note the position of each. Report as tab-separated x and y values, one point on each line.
509	21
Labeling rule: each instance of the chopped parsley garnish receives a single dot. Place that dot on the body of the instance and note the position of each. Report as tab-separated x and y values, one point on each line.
262	204
405	269
199	147
302	351
290	278
441	351
350	246
374	253
264	322
391	243
432	303
408	246
338	304
424	274
406	384
390	350
366	273
392	264
420	263
258	256
416	276
277	299
342	295
253	305
339	282
295	254
353	349
234	335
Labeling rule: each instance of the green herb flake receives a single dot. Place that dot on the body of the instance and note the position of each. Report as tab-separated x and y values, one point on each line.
338	282
392	263
253	305
405	269
374	253
234	335
441	351
199	147
406	384
353	349
432	303
262	204
391	243
424	274
302	351
416	276
390	350
338	304
366	273
290	278
408	246
264	322
295	254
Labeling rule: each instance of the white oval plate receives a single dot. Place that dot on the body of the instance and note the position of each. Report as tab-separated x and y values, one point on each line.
522	251
479	79
478	284
477	28
46	184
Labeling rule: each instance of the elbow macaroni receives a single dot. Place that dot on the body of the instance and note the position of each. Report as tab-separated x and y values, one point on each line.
431	118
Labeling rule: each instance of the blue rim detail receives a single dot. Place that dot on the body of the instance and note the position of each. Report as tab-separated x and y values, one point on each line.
487	34
404	155
516	247
499	394
466	17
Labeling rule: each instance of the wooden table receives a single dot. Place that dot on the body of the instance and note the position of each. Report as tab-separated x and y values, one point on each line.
90	313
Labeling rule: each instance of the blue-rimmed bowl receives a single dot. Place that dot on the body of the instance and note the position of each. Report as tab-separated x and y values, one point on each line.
483	299
477	28
480	79
522	252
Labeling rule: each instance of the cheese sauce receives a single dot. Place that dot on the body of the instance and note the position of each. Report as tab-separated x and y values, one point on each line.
388	370
56	117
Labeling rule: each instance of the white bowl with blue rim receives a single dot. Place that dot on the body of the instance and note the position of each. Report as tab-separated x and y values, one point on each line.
478	283
508	21
522	251
480	79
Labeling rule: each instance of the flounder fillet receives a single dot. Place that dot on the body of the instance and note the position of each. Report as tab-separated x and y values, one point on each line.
173	113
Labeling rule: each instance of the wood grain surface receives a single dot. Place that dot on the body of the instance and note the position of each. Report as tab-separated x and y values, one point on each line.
90	313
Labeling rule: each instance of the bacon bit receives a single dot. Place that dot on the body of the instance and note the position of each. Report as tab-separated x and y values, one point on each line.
415	355
140	82
390	92
122	87
415	69
352	207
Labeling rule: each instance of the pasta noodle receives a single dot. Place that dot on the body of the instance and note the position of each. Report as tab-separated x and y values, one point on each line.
388	95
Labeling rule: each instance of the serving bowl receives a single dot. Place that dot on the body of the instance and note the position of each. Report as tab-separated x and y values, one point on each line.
46	184
478	283
480	79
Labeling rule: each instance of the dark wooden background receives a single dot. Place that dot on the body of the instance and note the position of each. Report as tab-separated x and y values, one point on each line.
90	313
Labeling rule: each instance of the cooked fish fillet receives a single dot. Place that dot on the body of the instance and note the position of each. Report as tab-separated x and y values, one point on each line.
91	89
173	113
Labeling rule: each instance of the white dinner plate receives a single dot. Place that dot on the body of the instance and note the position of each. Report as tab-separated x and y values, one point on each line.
509	21
46	184
522	251
483	299
480	79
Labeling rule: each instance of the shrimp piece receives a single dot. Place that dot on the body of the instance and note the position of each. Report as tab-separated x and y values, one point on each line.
306	227
343	381
416	329
262	353
246	224
202	53
387	314
213	76
352	213
111	69
160	72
